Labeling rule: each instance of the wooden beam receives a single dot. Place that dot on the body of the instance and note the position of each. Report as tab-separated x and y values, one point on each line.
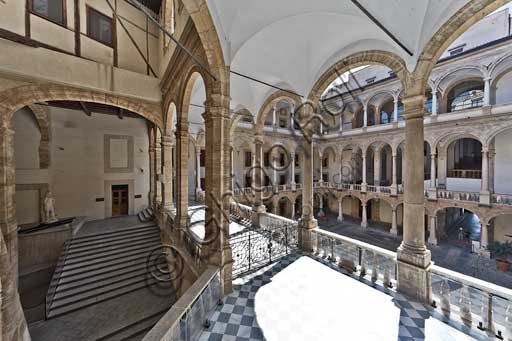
85	109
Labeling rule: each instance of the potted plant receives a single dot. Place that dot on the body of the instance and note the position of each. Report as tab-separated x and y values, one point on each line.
501	251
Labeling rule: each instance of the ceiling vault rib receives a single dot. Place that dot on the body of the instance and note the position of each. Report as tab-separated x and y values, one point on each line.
382	27
265	83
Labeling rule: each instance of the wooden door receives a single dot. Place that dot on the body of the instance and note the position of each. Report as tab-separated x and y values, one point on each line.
119	200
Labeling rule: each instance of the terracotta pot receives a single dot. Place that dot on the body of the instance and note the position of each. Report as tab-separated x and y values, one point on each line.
502	265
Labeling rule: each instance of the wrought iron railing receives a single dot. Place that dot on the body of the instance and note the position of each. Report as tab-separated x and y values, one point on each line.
254	248
473	301
356	256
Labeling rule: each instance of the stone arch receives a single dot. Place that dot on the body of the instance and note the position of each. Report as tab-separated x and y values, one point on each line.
16	98
488	139
457	75
170	119
445	140
274	98
454	27
42	117
394	62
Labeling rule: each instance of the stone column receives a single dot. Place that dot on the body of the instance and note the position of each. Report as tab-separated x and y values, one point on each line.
152	175
321	207
394	185
363	184
492	155
158	170
365	117
340	209
308	221
167	200
432	238
433	174
487	91
12	320
485	194
233	177
217	250
293	210
341	123
320	157
434	102
182	149
441	168
198	171
274	116
292	166
484	236
364	219
394	228
274	172
258	175
376	168
413	258
395	109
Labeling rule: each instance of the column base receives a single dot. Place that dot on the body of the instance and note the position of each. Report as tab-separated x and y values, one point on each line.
432	241
257	211
485	198
294	186
432	193
364	224
305	236
413	274
340	218
363	187
394	190
321	213
394	231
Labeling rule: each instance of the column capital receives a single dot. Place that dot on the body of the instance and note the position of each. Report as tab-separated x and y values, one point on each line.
433	155
258	139
485	149
414	106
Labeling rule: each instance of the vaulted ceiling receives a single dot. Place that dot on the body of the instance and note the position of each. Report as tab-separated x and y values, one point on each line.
290	43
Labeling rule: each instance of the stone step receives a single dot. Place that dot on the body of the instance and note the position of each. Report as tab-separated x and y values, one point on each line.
112	234
85	250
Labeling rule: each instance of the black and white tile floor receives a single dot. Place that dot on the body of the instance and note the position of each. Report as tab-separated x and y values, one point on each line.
295	299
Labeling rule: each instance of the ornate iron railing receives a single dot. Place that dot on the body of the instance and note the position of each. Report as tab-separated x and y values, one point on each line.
257	247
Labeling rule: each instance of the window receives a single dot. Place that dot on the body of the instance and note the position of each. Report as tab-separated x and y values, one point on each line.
282	122
325	162
266	160
248	181
297	178
370	80
53	10
325	177
201	158
466	95
282	179
99	26
297	160
248	159
456	50
282	160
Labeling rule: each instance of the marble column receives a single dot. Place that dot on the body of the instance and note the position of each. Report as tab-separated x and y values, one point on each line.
364	184
432	238
274	172
485	195
484	236
365	117
341	123
441	168
340	209
394	185
320	157
434	102
394	228
258	175
376	168
433	172
413	258
364	219
395	110
492	159
182	150
274	116
487	91
198	171
292	167
167	200
293	210
13	325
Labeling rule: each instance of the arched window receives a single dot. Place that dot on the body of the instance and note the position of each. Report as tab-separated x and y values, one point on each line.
466	95
386	112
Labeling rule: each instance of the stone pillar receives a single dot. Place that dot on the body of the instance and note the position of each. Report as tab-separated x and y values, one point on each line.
364	219
394	228
182	149
485	194
376	168
274	116
492	155
167	200
394	185
340	209
158	169
307	221
432	238
274	171
233	177
441	168
152	175
217	250
292	166
413	258
433	174
395	109
321	212
198	171
487	91
365	117
484	236
341	123
293	210
12	320
434	102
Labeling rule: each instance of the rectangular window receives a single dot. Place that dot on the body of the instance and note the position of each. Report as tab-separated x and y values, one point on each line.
282	123
370	80
297	161
248	159
266	160
282	179
456	50
99	26
297	178
53	10
325	177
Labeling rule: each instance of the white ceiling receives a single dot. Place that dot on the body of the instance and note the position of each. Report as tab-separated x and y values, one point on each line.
290	43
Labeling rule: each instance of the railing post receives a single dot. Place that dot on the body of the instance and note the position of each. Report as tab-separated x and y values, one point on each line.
465	305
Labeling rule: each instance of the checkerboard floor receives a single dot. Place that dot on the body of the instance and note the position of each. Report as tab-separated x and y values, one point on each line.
293	299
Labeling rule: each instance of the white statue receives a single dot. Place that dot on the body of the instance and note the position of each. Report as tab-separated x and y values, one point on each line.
49	208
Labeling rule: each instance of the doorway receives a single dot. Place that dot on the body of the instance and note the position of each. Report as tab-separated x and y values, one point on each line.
119	200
